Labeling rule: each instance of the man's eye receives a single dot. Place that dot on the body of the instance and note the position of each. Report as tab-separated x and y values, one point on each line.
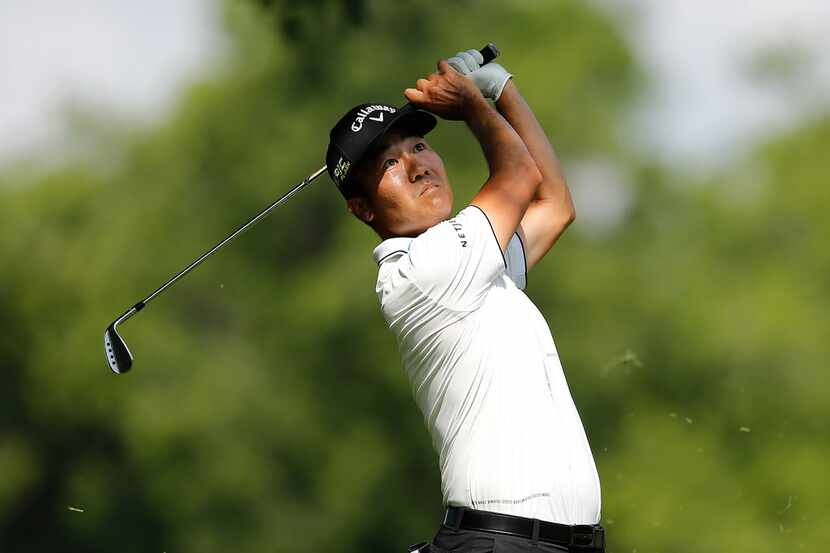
420	146
389	163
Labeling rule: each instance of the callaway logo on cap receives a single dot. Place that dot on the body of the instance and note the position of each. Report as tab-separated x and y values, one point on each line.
357	124
360	128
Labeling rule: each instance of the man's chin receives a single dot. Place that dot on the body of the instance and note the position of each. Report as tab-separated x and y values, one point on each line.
426	222
429	216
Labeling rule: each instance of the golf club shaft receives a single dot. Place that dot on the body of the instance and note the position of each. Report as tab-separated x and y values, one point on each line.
140	305
489	53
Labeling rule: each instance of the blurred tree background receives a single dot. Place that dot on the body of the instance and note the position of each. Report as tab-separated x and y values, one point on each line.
267	410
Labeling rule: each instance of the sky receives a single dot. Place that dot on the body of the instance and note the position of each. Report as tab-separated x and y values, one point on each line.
701	110
130	58
704	106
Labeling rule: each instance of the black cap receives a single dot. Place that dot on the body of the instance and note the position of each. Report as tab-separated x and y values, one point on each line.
360	129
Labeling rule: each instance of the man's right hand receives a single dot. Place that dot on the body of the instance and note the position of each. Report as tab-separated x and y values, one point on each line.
447	94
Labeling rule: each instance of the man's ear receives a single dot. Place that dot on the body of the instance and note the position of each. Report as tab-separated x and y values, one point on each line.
361	208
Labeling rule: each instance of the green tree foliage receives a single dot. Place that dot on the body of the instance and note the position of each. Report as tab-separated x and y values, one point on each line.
712	436
267	410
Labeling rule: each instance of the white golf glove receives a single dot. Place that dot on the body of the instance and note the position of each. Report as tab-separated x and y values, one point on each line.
490	79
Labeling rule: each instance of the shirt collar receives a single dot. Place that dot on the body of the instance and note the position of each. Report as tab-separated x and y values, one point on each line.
390	246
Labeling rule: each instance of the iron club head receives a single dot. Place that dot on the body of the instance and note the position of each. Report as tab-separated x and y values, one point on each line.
118	354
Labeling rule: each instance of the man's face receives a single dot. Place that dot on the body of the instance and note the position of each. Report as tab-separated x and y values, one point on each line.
405	185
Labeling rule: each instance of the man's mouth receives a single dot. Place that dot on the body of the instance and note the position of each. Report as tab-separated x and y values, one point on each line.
427	186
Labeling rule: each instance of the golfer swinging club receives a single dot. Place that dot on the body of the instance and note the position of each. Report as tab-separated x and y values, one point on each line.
517	473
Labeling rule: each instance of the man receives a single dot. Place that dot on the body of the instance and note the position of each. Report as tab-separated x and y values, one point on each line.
517	472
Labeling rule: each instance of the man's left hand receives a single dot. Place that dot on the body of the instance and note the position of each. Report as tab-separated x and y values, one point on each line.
490	79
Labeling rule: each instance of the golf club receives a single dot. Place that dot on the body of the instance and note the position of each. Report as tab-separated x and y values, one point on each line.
119	357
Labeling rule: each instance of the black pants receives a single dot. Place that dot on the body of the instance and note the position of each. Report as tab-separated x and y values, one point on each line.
448	540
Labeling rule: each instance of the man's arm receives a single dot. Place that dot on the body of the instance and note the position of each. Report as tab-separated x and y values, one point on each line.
514	174
551	210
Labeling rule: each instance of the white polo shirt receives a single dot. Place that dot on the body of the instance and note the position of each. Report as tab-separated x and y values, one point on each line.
486	374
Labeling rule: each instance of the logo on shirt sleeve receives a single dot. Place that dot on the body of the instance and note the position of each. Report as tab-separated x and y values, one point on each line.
459	230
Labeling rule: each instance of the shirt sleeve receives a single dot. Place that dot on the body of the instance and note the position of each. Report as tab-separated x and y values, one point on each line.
516	261
456	261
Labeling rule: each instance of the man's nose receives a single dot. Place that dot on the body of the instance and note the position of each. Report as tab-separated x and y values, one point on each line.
415	168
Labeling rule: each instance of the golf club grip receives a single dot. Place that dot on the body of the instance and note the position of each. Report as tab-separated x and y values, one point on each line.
489	53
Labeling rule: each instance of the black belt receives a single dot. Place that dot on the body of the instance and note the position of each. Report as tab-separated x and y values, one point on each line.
580	536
